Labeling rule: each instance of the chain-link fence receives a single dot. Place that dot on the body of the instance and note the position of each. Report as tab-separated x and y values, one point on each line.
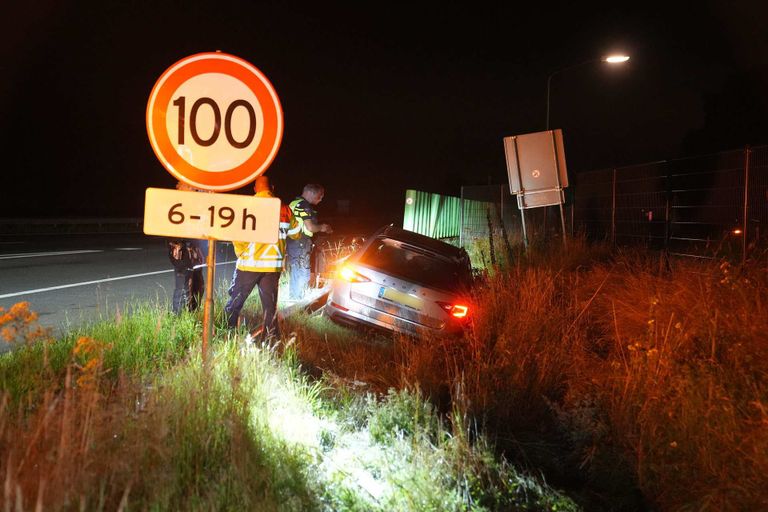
698	206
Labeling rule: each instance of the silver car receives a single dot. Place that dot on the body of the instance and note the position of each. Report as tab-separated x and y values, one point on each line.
404	282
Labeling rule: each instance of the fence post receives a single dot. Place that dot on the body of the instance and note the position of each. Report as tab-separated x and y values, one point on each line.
667	208
745	221
613	209
501	196
461	218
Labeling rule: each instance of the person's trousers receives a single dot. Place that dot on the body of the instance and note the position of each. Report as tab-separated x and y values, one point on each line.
298	267
243	283
188	290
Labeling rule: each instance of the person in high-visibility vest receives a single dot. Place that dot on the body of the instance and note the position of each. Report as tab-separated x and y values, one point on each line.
300	249
260	265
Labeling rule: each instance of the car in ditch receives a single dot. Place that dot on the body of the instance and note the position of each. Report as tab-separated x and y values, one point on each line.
404	282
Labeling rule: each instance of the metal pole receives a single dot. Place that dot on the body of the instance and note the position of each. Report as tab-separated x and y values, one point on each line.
560	189
501	208
562	222
745	222
549	83
522	219
208	311
668	209
521	193
461	218
613	208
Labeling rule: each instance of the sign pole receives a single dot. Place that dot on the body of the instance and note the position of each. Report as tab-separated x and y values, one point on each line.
208	310
559	189
521	193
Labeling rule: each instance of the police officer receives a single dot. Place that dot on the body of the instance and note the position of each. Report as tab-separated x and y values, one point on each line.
188	259
259	265
303	208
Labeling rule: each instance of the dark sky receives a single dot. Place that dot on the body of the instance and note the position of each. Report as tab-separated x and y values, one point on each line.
377	97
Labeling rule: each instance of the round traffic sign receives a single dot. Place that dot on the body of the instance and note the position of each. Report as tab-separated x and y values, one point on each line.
214	121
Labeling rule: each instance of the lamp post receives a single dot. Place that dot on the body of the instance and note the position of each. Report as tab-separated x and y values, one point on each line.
609	59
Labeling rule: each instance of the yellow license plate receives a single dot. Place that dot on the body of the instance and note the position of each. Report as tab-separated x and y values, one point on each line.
400	298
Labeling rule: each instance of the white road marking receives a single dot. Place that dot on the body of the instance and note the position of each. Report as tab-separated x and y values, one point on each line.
97	281
36	254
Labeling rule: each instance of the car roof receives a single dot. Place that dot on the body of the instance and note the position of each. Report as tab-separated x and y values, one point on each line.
423	241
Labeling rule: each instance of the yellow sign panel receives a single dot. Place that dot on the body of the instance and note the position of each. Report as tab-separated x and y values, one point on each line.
184	214
402	298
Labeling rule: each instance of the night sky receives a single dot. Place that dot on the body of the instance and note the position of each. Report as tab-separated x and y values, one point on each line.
377	98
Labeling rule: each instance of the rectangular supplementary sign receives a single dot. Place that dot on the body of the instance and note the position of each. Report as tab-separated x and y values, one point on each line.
536	168
183	214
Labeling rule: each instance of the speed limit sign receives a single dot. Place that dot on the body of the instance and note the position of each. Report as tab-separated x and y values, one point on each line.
214	121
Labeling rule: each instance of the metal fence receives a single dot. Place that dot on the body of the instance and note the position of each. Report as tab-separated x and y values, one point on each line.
448	218
65	226
700	206
488	209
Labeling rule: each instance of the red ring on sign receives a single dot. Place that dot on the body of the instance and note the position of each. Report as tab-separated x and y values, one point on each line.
170	81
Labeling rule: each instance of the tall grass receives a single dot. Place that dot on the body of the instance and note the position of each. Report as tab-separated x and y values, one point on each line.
633	383
124	415
681	382
106	434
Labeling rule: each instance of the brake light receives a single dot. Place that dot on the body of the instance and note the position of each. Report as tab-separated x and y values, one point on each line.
459	311
455	310
347	274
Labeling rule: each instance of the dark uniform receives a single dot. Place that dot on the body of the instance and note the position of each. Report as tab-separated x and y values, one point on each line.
188	260
299	250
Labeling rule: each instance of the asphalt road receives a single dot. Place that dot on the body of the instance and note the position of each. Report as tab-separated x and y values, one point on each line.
73	279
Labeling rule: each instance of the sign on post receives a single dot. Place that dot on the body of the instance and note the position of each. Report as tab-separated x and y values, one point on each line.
183	214
214	121
536	168
537	172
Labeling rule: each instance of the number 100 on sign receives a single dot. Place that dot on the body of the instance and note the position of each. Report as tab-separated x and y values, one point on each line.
184	214
214	121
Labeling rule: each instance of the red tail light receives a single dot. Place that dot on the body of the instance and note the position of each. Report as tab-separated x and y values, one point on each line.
459	311
347	274
455	310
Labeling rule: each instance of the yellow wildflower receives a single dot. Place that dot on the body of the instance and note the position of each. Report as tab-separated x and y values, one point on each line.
8	334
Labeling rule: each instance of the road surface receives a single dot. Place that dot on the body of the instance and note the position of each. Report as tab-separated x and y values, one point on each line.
74	279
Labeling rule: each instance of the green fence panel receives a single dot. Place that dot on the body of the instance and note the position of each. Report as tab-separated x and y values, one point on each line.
440	216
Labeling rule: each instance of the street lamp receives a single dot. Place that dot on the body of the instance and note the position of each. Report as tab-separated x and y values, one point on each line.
609	59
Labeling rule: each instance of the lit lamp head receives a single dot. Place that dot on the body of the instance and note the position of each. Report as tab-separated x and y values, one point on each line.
616	58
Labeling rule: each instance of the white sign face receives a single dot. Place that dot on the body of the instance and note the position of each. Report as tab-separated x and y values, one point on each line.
214	121
198	138
176	213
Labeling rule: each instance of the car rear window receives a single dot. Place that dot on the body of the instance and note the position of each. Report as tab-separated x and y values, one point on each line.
415	264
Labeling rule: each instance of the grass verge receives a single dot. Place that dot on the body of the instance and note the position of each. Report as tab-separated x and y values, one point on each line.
632	383
123	415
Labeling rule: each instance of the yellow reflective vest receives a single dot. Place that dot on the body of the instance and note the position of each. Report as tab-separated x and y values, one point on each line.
256	257
301	213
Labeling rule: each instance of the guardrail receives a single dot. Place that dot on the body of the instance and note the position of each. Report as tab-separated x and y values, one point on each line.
58	226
